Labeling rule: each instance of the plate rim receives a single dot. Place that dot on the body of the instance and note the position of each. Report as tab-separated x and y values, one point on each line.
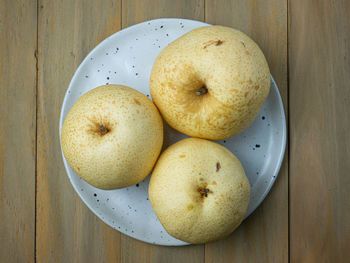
61	120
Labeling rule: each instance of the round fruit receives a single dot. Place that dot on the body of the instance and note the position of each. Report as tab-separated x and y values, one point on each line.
199	191
211	82
112	136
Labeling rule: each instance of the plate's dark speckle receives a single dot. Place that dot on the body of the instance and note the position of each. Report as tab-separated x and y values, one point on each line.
159	46
86	76
91	58
147	198
107	199
136	74
109	71
113	208
182	26
167	35
132	231
107	83
257	145
161	26
137	185
136	39
102	65
95	194
268	124
82	189
263	117
148	23
257	173
98	70
106	54
117	48
133	66
147	95
135	210
98	200
115	72
107	77
224	141
253	149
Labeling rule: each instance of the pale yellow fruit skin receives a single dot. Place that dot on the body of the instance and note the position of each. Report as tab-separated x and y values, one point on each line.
127	153
173	191
229	64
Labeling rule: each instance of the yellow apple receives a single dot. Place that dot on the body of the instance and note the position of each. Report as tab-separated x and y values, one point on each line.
112	136
199	191
211	82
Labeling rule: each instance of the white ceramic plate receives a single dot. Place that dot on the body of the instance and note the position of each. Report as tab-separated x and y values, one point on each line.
126	58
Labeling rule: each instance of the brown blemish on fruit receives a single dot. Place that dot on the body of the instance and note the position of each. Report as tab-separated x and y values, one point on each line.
137	101
242	43
246	94
78	168
218	166
240	185
182	156
256	87
213	183
213	42
201	179
190	207
219	42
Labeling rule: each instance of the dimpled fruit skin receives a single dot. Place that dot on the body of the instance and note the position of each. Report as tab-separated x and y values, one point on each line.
126	154
174	191
229	64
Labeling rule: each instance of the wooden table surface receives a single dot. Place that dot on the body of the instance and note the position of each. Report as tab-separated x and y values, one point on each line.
305	217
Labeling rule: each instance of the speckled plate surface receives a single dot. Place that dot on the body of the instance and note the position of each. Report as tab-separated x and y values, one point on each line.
126	57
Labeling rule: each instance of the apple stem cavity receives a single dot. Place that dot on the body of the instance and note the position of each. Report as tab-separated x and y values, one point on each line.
103	130
203	90
204	192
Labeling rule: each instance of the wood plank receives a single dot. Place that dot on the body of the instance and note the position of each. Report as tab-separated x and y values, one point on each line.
263	237
66	230
136	11
319	52
18	22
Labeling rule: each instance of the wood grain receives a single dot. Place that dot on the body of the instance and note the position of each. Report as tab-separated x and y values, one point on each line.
319	53
18	22
263	237
66	230
136	11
